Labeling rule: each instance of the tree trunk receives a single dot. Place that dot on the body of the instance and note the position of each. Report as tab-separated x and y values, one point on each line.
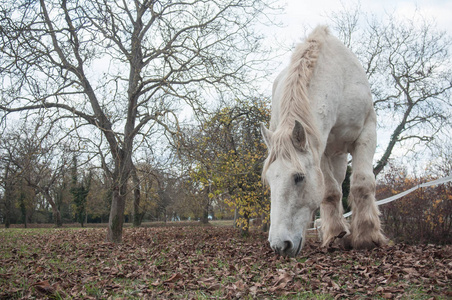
23	208
55	210
123	167
245	228
82	219
137	215
9	194
264	224
7	211
57	217
116	220
205	216
205	212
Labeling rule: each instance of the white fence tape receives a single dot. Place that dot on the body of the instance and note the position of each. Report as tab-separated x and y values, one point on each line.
400	195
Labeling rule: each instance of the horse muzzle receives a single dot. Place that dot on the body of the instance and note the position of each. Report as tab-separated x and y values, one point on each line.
287	247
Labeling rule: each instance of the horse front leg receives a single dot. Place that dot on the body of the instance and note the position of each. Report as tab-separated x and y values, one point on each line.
333	223
366	230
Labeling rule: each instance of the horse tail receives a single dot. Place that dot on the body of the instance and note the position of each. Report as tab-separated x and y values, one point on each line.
295	104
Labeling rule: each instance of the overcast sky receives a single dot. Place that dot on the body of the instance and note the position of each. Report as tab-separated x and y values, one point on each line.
314	12
301	15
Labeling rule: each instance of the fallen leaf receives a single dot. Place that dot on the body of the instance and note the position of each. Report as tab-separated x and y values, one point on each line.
44	287
283	279
173	278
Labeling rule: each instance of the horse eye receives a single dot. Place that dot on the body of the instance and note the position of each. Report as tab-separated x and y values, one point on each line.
298	177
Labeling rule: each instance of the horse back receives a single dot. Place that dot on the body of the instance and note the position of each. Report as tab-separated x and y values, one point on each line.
338	95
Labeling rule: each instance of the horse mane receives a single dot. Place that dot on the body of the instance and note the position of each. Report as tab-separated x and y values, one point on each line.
295	103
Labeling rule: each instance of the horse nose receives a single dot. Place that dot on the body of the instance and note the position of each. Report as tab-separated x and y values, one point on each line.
285	248
288	245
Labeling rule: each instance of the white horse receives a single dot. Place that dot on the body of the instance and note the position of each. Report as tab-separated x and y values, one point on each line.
321	111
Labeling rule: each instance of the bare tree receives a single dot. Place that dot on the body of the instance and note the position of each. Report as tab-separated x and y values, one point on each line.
410	70
37	161
7	185
123	67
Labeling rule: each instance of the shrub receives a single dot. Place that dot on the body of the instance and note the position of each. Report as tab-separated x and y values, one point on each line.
424	216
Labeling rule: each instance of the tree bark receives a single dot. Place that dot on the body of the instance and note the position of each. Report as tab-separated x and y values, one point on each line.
56	212
57	217
205	211
23	208
123	168
137	215
7	212
264	225
116	220
8	196
245	228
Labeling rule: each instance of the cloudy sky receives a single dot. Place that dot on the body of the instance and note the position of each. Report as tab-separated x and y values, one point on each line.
311	13
300	15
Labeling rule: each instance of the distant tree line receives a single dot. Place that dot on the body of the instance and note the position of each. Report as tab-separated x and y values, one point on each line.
216	174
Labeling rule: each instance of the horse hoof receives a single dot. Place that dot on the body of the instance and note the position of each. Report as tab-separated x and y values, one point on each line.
370	243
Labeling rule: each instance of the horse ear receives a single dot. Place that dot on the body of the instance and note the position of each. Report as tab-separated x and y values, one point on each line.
266	134
299	138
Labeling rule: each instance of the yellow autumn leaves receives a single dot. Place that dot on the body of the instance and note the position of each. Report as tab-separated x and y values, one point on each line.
231	153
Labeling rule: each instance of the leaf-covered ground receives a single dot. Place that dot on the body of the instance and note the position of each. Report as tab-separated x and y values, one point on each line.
210	262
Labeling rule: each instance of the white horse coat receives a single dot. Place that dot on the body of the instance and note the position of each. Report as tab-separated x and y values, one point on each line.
321	110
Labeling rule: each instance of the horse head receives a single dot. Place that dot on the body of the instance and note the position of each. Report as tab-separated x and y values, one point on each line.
293	173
